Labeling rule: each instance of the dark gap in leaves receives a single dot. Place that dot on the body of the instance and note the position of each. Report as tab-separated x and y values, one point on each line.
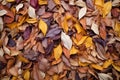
2	65
100	41
27	32
49	48
67	75
77	77
111	48
11	42
70	33
91	33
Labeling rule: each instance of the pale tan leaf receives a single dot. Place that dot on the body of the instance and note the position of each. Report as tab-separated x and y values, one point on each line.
82	12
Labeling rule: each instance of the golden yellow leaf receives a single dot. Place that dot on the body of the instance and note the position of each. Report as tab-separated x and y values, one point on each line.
12	25
116	67
27	75
65	25
14	78
88	42
31	20
57	52
55	77
81	41
43	26
73	50
106	8
83	64
10	0
21	58
57	2
96	66
99	3
117	28
42	2
78	28
107	63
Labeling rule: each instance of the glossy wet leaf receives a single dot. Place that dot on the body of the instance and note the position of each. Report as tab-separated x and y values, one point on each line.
57	52
43	26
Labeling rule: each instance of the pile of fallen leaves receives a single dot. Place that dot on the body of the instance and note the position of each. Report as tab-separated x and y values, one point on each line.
59	39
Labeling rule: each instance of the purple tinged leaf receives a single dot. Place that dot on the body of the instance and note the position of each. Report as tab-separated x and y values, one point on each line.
49	48
18	1
52	32
90	4
77	77
34	3
27	32
11	42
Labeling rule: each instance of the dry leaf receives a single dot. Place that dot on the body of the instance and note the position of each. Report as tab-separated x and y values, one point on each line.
1	24
27	75
31	12
80	3
43	26
79	28
10	0
3	12
55	77
99	3
42	2
73	51
117	28
94	27
19	6
67	42
31	20
88	42
103	76
57	2
106	8
1	52
57	52
116	67
82	12
96	66
107	63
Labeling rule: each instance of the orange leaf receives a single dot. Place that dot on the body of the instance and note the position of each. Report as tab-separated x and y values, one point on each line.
66	52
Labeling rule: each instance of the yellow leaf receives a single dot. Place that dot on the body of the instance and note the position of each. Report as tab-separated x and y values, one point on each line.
10	0
43	26
88	42
21	20
73	50
83	64
117	28
107	63
27	75
96	66
31	20
14	78
81	41
57	52
55	77
57	2
42	2
12	25
106	8
99	3
78	28
21	58
116	67
65	25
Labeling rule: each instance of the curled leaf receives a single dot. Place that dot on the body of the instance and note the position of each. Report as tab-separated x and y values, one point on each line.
43	26
19	6
67	42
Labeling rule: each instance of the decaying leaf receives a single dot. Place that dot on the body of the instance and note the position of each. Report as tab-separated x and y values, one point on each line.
67	42
43	26
82	12
57	52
